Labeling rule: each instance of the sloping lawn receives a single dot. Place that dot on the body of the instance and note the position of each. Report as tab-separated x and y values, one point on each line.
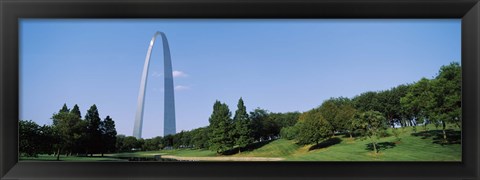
421	146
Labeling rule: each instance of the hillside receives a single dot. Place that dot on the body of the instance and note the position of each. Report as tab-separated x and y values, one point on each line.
420	146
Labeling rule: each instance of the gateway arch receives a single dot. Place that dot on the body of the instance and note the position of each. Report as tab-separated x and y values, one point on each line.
169	100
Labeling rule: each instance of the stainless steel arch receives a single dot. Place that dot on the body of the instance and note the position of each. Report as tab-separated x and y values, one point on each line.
169	100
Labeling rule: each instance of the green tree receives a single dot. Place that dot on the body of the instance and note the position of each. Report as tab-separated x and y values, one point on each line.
130	143
94	131
367	101
76	111
285	119
346	116
447	89
168	141
69	130
64	109
258	118
48	138
418	101
220	128
177	139
200	138
339	113
371	124
29	141
109	135
389	101
398	93
153	144
80	128
242	132
157	141
120	143
314	127
271	130
290	132
328	111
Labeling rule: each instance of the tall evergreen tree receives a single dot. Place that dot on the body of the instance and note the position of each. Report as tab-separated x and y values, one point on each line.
220	128
81	137
64	108
76	111
243	132
94	133
109	135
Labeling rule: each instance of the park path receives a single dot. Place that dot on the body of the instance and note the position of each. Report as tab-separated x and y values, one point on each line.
222	158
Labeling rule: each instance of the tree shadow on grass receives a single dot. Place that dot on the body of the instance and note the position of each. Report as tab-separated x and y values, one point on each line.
381	146
249	147
453	137
326	143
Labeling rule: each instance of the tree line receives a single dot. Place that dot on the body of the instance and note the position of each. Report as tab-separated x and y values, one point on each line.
428	101
223	133
69	134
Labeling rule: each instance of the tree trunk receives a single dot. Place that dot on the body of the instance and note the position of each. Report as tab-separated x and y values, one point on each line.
374	148
350	135
444	133
58	154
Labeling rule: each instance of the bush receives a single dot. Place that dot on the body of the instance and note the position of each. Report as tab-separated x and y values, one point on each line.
396	133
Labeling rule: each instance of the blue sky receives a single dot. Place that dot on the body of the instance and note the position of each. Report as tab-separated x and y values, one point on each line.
278	65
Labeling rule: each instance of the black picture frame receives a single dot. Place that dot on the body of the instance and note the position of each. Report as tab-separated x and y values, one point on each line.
12	10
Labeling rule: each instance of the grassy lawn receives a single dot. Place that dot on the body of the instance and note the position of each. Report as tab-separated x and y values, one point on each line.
277	148
410	148
413	146
69	158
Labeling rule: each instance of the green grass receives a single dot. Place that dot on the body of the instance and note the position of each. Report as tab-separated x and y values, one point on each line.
422	147
410	148
277	148
43	157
